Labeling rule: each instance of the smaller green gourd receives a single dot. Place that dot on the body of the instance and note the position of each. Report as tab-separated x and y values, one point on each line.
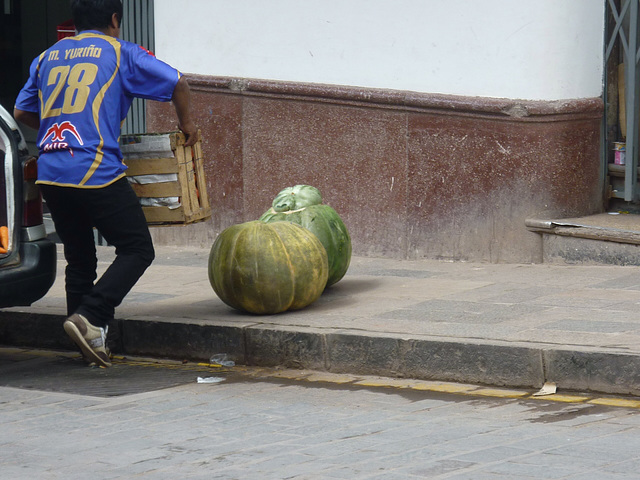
293	198
302	205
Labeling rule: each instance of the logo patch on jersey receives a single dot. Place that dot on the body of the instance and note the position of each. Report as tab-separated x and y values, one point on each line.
148	51
57	134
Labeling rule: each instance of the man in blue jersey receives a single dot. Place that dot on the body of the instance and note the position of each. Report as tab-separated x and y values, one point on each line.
77	96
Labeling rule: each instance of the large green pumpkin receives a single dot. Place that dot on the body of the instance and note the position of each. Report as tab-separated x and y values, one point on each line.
267	268
327	225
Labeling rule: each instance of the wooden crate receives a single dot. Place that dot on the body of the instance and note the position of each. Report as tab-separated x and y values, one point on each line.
183	164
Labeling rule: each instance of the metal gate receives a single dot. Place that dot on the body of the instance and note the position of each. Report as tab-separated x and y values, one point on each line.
622	50
137	27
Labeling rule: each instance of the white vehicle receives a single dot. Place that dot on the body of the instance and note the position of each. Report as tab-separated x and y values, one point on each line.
27	257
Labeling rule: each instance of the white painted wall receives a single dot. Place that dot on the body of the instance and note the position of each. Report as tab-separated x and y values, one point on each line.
527	49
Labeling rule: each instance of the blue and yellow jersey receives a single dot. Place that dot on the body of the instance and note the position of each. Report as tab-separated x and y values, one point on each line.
82	88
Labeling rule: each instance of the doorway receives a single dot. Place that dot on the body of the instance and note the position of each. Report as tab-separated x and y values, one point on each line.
622	102
28	27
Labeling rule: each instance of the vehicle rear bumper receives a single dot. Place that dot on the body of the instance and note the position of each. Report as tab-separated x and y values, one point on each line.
32	278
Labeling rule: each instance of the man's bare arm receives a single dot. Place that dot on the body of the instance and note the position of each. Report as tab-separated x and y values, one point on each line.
30	119
182	102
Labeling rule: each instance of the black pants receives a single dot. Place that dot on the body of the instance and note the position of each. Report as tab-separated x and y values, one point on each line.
116	213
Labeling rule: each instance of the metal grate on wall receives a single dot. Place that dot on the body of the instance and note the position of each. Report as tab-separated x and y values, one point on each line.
137	27
623	46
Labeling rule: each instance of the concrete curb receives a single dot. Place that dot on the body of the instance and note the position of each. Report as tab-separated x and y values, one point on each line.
348	351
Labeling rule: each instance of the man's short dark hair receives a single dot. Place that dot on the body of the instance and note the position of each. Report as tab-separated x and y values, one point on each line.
94	14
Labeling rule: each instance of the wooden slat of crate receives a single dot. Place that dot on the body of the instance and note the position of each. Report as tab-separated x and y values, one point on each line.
201	179
196	204
186	176
151	166
151	190
159	215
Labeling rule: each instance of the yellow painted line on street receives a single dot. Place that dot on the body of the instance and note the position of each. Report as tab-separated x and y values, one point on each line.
616	402
562	398
356	380
168	364
289	374
464	389
383	382
499	393
443	388
330	378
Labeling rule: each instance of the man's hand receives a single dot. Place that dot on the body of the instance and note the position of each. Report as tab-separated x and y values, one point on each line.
190	132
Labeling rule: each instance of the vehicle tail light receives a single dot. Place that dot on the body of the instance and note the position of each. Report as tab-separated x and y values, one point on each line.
32	208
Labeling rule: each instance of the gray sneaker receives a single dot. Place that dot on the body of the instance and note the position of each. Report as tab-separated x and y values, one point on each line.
91	340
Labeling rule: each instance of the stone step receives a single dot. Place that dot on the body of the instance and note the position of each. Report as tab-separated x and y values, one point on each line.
601	239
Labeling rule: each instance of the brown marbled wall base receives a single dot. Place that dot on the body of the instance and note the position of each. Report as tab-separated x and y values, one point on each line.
412	175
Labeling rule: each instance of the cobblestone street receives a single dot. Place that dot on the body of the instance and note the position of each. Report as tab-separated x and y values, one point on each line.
259	424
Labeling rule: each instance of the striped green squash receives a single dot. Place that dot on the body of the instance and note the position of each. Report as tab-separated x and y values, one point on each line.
327	225
267	268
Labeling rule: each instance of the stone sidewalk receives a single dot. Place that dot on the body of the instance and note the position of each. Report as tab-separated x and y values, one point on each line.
504	325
